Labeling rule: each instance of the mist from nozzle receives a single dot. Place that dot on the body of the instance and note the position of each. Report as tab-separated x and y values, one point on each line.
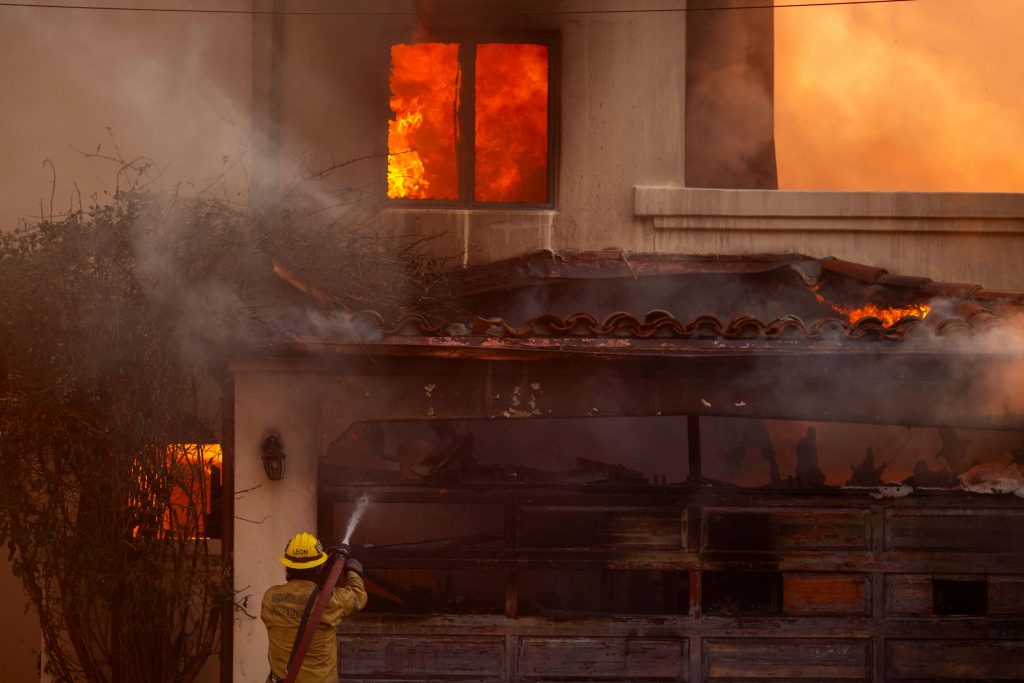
353	521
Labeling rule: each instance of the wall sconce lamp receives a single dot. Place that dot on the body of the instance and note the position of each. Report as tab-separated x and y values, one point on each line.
273	457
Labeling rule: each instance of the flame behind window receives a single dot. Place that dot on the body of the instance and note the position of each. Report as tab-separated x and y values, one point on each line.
423	136
191	493
511	123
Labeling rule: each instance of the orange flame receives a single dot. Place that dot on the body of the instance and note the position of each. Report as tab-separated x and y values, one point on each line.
423	137
191	498
406	175
888	316
189	474
511	123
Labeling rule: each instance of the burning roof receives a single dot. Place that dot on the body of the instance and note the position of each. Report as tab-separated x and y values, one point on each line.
661	302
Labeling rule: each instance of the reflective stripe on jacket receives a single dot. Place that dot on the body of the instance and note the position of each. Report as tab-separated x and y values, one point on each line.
282	610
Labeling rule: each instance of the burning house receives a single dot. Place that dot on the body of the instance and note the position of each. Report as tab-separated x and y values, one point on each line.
801	492
670	423
635	465
701	455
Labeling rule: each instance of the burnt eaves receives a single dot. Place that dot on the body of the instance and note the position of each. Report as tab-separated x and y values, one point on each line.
771	298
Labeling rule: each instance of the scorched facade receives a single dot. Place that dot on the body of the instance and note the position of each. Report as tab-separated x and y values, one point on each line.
701	455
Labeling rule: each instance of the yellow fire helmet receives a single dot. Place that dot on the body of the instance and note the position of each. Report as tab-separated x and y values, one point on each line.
303	552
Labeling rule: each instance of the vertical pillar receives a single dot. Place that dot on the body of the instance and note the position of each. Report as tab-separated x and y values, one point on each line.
693	446
267	513
730	96
227	523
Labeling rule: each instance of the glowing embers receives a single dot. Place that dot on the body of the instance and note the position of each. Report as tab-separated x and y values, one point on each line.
423	136
506	107
511	123
888	315
193	486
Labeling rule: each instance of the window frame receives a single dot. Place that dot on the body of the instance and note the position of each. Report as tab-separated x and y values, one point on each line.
468	40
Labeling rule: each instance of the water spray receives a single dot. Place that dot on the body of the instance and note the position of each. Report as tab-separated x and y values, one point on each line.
357	515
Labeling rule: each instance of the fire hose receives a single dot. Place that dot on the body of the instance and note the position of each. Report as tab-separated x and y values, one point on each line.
302	645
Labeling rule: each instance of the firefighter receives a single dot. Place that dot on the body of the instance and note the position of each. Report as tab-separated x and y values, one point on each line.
306	567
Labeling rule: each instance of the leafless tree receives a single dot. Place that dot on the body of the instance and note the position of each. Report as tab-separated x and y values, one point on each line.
115	323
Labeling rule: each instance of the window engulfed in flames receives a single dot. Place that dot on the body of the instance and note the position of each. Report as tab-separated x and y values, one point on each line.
191	495
423	137
512	123
510	115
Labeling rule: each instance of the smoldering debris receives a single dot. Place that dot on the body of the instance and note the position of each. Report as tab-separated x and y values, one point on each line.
866	473
892	491
808	472
993	477
925	477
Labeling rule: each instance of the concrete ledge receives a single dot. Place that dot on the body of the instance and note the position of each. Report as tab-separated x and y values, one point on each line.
779	210
474	235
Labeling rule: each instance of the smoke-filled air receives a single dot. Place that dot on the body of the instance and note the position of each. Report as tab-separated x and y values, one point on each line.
906	96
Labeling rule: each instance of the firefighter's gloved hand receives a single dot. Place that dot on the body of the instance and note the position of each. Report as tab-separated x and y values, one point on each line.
343	549
354	565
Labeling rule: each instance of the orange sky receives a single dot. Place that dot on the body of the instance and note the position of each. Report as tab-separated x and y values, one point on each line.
925	95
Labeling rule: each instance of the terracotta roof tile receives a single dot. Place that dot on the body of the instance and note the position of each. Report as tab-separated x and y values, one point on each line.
578	324
786	327
905	325
483	325
976	314
622	324
950	289
857	271
657	315
744	327
868	328
953	327
999	295
702	327
912	281
705	327
663	324
409	324
760	278
827	328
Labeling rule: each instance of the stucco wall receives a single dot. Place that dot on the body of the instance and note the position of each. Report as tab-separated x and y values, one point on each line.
268	513
622	118
623	124
975	238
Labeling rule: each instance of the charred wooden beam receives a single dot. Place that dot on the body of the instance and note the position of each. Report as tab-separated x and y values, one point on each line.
693	446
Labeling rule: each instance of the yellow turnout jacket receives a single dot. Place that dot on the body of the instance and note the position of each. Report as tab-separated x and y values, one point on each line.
282	610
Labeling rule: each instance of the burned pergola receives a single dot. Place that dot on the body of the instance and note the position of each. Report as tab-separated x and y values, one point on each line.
525	568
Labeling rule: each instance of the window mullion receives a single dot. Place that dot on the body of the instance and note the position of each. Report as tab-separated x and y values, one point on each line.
467	122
